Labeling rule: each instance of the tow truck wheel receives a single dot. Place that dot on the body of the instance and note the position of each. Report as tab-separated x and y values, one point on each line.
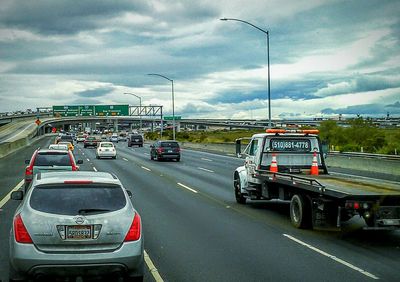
238	194
300	212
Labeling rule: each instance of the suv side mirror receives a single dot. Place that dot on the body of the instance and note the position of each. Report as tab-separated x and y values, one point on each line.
79	162
17	195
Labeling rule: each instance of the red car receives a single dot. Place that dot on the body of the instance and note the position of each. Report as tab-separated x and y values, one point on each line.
49	160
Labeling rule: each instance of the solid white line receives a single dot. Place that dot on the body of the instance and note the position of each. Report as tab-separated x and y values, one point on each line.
145	168
186	187
8	196
208	160
332	257
152	269
125	159
94	169
205	169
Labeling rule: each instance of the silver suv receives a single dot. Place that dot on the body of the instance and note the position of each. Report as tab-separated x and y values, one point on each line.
76	224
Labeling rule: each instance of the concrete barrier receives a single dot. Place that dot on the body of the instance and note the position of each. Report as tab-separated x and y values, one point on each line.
377	165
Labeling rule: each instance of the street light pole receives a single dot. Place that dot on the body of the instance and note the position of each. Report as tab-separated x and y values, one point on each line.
140	108
269	81
173	100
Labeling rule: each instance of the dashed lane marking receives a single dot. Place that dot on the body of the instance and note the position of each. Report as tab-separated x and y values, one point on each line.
88	160
95	169
145	168
188	188
125	159
345	263
208	160
8	196
152	269
147	154
204	169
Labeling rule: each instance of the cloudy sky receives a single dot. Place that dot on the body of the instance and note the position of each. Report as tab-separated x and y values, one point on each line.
327	57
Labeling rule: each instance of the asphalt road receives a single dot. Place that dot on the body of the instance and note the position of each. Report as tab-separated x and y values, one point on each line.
195	231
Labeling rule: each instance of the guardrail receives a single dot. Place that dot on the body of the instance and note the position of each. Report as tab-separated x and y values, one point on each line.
365	155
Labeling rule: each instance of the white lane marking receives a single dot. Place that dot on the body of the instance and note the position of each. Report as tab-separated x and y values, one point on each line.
208	160
201	168
188	188
152	269
88	160
147	154
83	153
94	169
8	196
345	263
145	168
125	159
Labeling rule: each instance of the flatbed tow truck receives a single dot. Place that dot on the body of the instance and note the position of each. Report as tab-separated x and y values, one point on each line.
289	165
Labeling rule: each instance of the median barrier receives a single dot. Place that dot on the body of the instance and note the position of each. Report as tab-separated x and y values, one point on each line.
347	161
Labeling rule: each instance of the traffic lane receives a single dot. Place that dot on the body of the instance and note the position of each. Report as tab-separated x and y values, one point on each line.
278	215
210	242
12	166
17	130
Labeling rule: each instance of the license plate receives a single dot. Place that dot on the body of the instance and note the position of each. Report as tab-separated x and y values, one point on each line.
107	150
79	232
136	140
169	151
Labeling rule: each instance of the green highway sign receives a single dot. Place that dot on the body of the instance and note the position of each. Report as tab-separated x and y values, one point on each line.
112	110
171	117
91	110
66	111
86	110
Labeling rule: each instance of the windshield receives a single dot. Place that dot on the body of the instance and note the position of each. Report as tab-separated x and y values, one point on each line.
169	144
107	145
76	199
52	159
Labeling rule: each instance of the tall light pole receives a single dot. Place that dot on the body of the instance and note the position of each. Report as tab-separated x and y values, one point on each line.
269	89
173	101
140	108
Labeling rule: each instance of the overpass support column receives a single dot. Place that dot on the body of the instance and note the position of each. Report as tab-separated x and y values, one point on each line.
116	125
178	126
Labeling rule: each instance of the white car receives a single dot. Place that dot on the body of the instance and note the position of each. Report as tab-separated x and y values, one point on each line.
106	150
63	147
114	138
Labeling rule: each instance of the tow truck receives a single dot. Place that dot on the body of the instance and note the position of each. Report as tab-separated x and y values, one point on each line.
289	165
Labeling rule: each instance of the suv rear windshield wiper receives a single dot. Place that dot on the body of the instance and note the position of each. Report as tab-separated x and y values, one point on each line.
88	211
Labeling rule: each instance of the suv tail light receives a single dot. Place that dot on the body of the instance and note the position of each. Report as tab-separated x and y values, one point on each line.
20	232
28	174
160	150
134	231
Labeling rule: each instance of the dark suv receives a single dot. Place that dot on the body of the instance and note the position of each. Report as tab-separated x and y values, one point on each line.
90	141
165	150
135	140
49	160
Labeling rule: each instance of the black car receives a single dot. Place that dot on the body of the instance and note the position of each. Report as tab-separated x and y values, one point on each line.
165	150
135	140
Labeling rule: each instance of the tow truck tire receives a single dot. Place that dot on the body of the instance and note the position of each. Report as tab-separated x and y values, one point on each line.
300	214
238	194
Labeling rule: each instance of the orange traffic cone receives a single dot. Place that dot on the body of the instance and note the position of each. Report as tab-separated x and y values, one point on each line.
314	167
274	165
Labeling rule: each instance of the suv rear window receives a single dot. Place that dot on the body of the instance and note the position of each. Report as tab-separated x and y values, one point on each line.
136	137
52	159
91	138
77	199
170	144
66	138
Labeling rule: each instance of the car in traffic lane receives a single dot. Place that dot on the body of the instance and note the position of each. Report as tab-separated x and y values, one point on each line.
90	141
88	227
49	160
165	149
135	140
106	150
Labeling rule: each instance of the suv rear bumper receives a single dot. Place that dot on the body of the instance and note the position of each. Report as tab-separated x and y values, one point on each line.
27	260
